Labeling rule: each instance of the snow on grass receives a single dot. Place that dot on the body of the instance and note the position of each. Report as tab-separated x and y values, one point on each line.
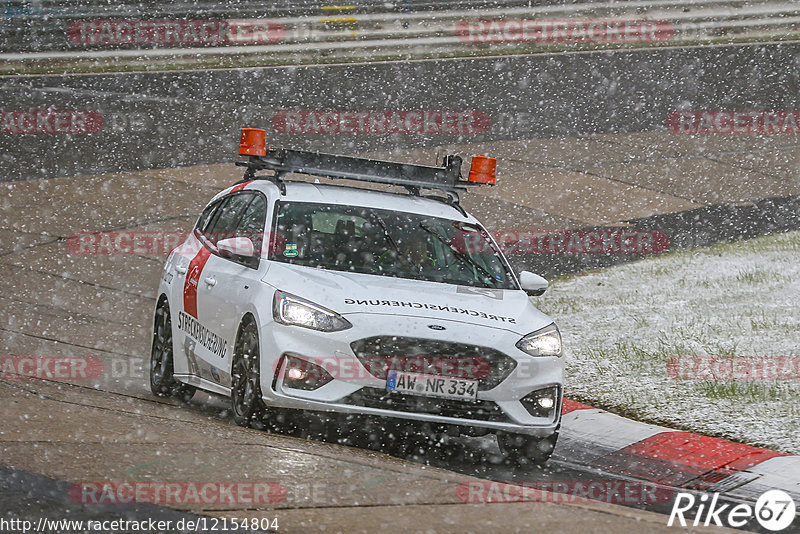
738	301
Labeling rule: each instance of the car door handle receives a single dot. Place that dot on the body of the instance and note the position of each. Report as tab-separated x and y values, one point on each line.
210	280
180	269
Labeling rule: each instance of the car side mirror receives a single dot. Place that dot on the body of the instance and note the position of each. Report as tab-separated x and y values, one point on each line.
236	247
532	284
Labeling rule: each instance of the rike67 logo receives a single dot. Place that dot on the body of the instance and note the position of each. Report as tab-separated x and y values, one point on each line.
774	511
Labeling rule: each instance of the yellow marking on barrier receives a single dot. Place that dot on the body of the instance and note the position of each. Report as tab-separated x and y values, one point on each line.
337	8
340	19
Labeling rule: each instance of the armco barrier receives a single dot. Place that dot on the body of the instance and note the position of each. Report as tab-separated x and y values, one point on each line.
41	25
431	27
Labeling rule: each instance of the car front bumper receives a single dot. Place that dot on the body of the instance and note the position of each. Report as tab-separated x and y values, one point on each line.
353	389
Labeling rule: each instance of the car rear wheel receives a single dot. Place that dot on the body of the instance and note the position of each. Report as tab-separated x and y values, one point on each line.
523	449
162	381
246	403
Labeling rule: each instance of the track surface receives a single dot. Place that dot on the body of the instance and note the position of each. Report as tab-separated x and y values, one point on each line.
110	428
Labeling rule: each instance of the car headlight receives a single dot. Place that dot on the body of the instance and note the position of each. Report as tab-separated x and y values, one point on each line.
291	310
544	342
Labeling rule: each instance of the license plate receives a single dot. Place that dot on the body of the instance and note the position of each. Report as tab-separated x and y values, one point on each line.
432	386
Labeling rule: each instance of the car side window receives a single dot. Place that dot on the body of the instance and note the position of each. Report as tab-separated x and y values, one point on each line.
251	225
205	217
225	220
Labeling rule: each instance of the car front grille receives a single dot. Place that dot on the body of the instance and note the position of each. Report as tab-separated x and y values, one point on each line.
381	354
382	399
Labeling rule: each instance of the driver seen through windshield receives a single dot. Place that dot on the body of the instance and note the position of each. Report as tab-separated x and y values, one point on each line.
387	243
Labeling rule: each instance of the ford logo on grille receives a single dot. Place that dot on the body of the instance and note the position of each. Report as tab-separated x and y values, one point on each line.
436	327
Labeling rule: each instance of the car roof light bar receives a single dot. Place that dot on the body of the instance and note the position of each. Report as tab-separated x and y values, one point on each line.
446	178
284	161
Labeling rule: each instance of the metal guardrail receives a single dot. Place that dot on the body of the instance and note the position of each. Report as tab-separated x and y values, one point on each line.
274	8
374	29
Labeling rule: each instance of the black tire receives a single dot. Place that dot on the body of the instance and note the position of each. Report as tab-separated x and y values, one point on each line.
162	381
522	449
246	403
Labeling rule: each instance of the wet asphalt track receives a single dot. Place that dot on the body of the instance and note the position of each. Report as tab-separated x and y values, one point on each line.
57	303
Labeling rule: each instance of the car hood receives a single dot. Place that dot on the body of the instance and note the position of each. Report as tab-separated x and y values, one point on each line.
350	293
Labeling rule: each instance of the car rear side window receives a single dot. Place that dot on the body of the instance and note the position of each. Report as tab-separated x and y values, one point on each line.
226	219
252	222
205	217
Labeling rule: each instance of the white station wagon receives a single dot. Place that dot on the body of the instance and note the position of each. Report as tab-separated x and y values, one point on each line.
291	296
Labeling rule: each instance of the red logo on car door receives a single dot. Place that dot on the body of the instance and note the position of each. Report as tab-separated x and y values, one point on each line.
192	279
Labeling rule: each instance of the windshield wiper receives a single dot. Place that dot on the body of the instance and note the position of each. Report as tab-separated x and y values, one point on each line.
385	231
464	257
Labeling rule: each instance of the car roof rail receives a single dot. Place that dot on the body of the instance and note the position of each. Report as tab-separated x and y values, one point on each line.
413	178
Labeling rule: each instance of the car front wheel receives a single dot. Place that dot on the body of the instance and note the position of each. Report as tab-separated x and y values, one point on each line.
246	402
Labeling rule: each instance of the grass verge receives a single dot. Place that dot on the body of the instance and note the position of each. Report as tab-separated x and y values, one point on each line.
626	328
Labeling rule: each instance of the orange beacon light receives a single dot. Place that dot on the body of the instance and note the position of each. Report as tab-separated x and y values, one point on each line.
253	142
483	170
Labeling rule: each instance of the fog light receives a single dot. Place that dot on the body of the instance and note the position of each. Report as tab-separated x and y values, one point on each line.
542	402
299	373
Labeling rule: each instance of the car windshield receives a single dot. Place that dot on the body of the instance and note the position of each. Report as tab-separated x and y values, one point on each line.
387	243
